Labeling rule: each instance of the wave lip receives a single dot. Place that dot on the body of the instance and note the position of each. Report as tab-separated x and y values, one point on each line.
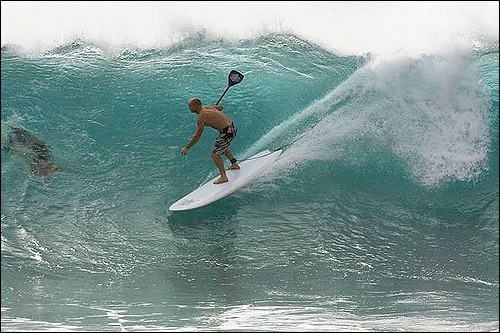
347	28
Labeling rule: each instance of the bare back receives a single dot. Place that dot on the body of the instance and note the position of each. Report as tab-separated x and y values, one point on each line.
214	118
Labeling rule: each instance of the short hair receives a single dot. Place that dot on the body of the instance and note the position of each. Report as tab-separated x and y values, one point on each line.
195	100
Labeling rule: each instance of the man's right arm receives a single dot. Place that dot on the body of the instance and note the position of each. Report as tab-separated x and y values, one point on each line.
218	107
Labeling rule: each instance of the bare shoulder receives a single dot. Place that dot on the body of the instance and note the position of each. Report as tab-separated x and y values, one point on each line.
215	107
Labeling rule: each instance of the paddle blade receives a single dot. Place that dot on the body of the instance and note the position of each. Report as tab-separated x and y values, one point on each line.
235	78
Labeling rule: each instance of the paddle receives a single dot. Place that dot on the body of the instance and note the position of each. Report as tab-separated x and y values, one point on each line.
234	78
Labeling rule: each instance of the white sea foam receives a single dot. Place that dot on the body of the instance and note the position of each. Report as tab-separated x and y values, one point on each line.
343	27
429	112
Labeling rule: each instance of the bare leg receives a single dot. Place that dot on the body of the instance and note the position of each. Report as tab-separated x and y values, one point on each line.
230	157
220	165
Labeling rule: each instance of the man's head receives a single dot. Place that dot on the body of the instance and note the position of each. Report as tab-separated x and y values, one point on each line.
195	104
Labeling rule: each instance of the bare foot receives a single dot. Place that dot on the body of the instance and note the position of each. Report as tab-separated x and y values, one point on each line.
234	167
220	181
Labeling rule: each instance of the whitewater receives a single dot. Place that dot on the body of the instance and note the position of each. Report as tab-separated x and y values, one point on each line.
382	213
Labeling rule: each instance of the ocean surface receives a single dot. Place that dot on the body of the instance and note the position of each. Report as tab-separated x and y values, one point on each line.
382	214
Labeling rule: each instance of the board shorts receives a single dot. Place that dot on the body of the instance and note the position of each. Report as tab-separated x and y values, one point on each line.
224	139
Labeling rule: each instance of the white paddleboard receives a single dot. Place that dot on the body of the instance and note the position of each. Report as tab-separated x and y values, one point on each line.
209	192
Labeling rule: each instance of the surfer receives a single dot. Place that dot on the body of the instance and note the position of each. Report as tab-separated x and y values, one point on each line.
212	115
23	142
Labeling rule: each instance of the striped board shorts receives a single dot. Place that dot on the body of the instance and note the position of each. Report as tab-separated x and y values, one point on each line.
224	139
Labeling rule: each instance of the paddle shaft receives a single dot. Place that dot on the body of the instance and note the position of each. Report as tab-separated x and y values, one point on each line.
222	95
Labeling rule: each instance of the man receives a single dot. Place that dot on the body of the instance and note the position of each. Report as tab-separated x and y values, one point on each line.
211	115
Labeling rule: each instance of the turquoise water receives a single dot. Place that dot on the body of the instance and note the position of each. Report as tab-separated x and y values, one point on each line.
381	216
